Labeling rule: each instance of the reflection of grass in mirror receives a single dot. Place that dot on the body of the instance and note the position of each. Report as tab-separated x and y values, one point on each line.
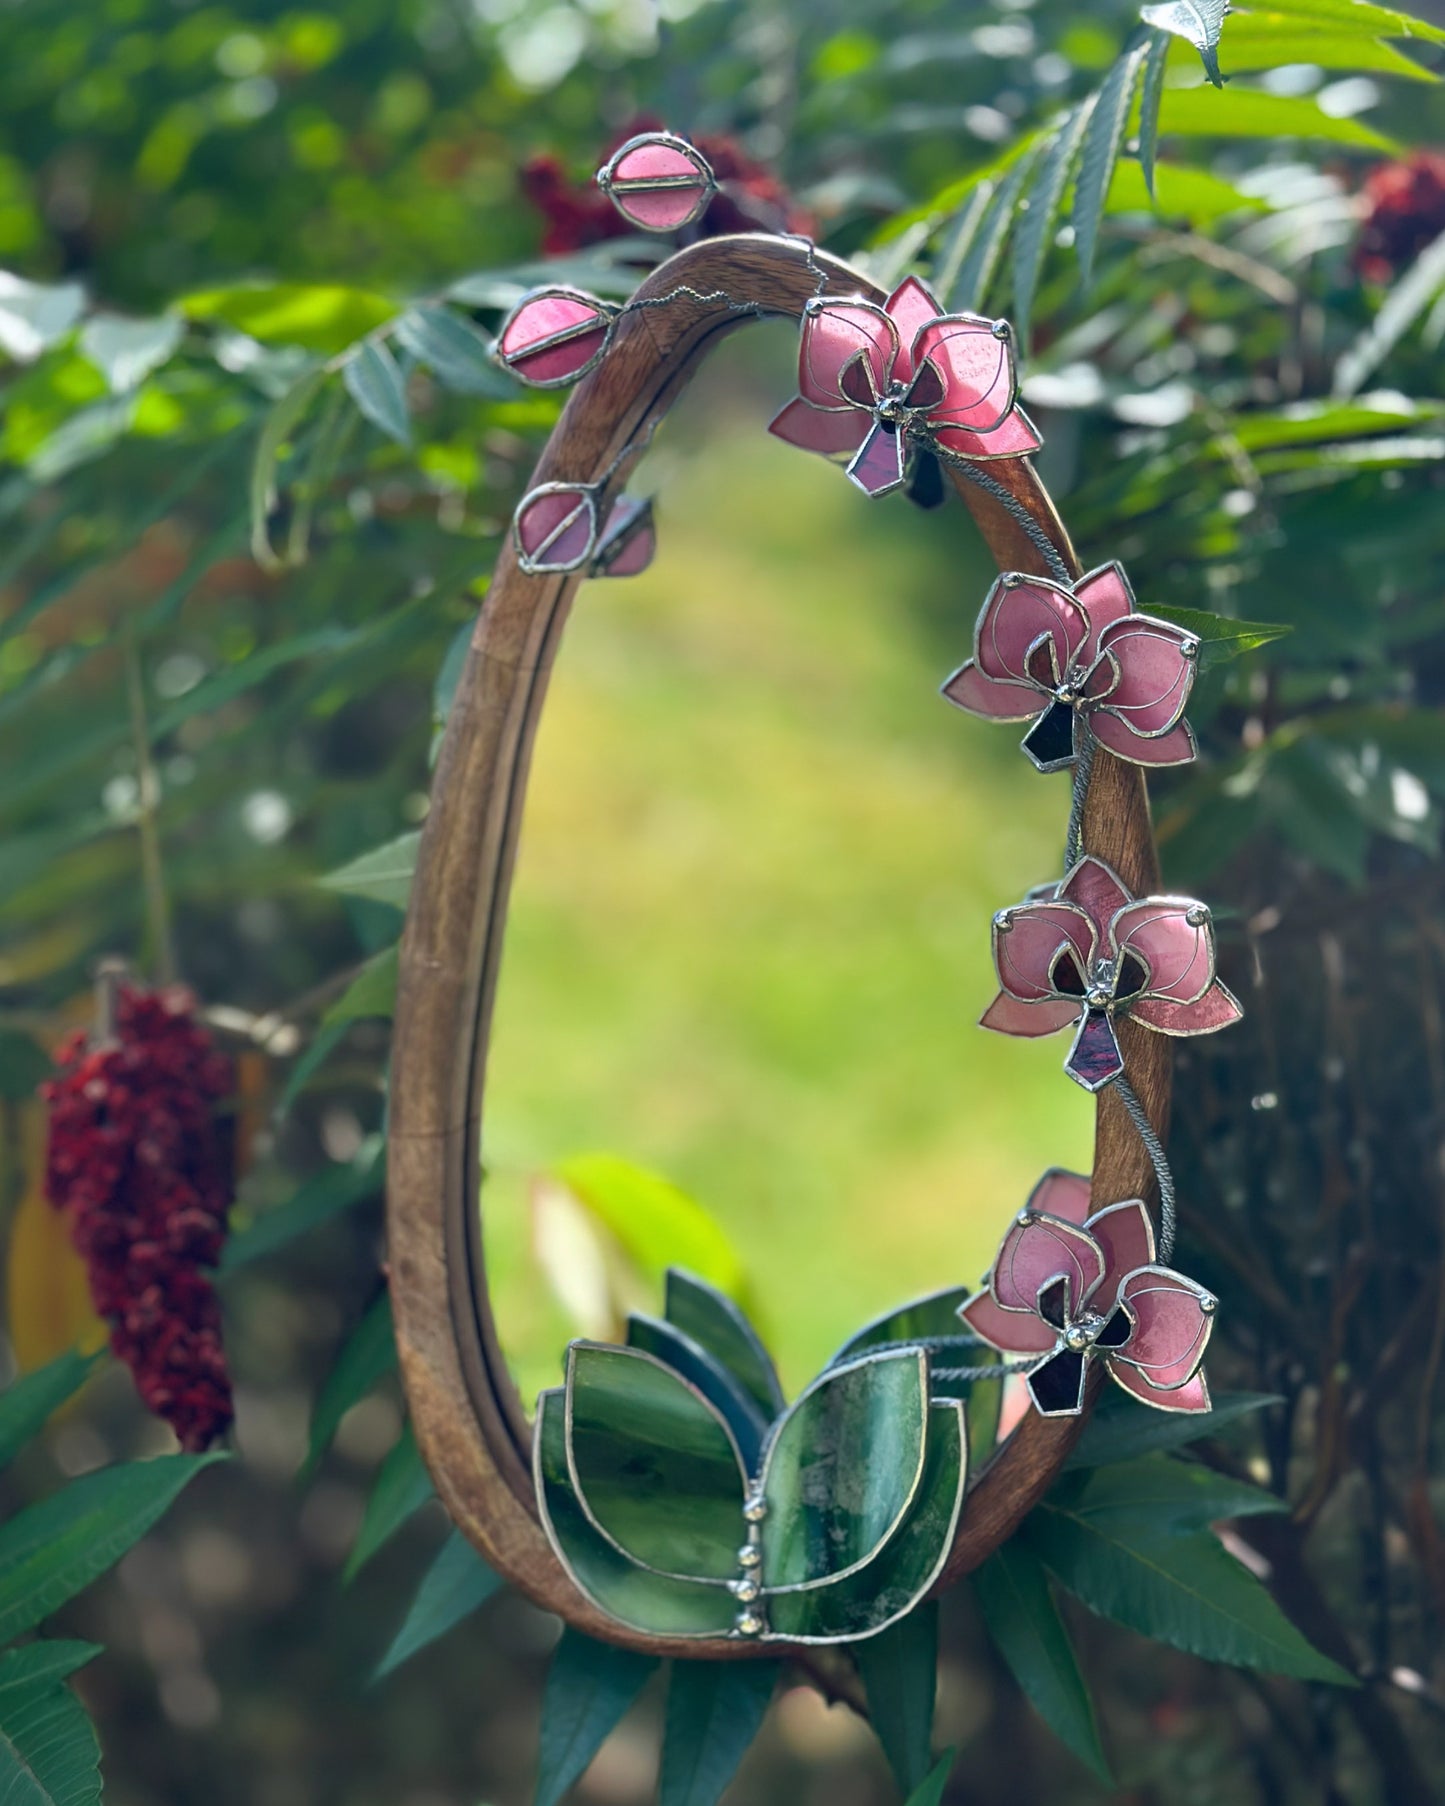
749	939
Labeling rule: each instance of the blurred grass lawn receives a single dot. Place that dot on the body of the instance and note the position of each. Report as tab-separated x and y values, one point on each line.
749	939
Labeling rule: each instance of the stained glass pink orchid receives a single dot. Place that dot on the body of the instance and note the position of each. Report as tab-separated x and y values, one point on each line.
877	382
1075	1287
1077	660
1087	952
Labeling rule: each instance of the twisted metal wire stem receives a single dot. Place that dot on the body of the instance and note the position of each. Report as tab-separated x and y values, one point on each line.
1129	1098
1083	771
1038	538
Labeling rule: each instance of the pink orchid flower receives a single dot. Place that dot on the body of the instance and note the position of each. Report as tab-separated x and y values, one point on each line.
876	382
1073	1287
1087	952
1079	660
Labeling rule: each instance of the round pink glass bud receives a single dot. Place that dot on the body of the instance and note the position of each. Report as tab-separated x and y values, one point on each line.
555	528
658	182
628	538
553	336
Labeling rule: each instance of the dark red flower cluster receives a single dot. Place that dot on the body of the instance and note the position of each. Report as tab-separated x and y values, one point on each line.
749	196
139	1164
1406	212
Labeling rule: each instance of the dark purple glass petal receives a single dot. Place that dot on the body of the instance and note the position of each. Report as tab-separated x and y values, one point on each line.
1133	977
1116	1331
924	485
1057	1388
1094	1060
1066	975
1054	1301
878	466
1050	741
856	382
926	390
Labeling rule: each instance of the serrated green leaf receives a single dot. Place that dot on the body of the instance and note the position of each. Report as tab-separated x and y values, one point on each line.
1151	88
49	1753
402	1487
375	383
1402	307
1035	234
980	262
900	1677
1220	638
457	1584
454	351
1018	1607
1163	1493
1121	1433
276	430
324	317
369	1353
967	223
1198	22
336	1189
590	1686
53	1550
931	1792
384	875
714	1711
1103	135
1253	113
28	1402
658	1225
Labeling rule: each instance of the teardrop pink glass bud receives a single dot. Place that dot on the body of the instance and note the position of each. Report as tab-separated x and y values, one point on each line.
553	336
628	539
555	528
658	182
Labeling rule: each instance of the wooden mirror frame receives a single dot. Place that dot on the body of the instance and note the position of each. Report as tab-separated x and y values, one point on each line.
469	1419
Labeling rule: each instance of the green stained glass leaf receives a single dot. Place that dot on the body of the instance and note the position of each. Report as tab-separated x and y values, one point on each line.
844	1467
655	1466
632	1595
670	1346
884	1589
590	1685
1121	1432
922	1318
900	1675
714	1711
717	1324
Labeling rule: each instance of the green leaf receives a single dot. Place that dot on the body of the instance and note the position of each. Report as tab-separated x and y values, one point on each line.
900	1676
328	444
28	1402
49	1754
383	875
1119	1433
454	351
714	1711
35	315
24	1064
375	383
1180	193
1018	1607
1359	16
368	1354
1220	638
1406	301
1151	88
319	1199
126	351
931	1792
717	1324
1045	195
844	1468
317	316
276	430
1164	1493
968	222
371	993
590	1685
457	1584
1181	1590
53	1550
657	1225
980	262
1102	138
320	1048
1253	113
402	1487
1198	22
1263	41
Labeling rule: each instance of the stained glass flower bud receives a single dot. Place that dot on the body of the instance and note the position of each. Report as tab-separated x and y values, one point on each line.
628	539
555	528
658	182
554	336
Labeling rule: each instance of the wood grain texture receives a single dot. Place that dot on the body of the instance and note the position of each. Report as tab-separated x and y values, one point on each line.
469	1420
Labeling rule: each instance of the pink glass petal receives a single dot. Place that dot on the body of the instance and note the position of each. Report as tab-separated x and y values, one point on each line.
658	183
1014	1408
1126	1235
1014	1332
1155	672
1172	1317
832	432
1178	953
910	307
628	540
1016	436
878	467
834	333
552	337
1009	1016
1015	616
1024	952
555	528
1177	747
1217	1008
1193	1395
1092	887
1061	1194
977	369
988	696
1039	1250
1105	597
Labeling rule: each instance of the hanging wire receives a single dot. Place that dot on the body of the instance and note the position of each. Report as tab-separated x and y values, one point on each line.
1046	548
1158	1159
1083	771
